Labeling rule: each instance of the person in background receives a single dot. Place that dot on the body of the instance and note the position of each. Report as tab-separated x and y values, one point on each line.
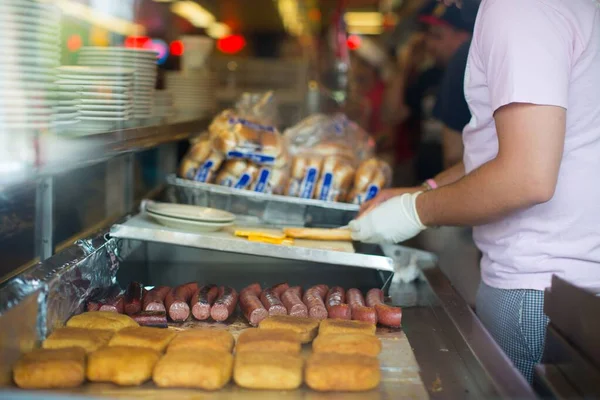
448	36
527	180
416	79
451	107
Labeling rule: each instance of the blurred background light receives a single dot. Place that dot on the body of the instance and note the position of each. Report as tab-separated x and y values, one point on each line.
231	44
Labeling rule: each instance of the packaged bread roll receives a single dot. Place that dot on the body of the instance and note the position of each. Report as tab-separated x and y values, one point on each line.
274	180
239	174
201	162
304	175
332	148
337	174
220	121
371	177
241	138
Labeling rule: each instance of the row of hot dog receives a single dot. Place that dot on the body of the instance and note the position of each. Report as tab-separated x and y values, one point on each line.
151	307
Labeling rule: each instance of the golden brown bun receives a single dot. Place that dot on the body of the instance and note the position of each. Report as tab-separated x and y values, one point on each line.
329	149
372	172
50	368
200	151
220	121
327	372
188	169
122	365
330	326
198	369
233	170
202	339
348	343
88	339
235	134
278	181
343	176
306	328
276	340
268	370
142	336
101	320
318	234
300	167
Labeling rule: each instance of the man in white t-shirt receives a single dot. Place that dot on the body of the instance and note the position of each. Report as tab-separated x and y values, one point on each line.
528	182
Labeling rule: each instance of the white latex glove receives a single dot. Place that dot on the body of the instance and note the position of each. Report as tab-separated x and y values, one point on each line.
394	221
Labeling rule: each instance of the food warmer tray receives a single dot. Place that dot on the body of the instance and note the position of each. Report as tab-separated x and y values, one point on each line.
142	227
264	208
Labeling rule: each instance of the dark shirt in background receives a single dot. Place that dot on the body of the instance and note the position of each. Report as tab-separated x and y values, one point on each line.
451	107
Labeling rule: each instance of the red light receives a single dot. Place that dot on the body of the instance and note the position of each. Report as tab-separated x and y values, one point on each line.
231	44
137	42
353	42
74	42
176	48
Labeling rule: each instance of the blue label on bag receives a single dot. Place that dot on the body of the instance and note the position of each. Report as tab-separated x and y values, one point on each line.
263	178
372	192
251	125
202	174
243	182
249	155
325	189
307	187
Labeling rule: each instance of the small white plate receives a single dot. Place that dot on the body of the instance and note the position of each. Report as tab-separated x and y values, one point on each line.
95	113
93	96
189	212
188	225
107	107
91	71
119	50
82	118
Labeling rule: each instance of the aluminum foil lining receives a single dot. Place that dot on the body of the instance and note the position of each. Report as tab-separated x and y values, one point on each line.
67	279
263	208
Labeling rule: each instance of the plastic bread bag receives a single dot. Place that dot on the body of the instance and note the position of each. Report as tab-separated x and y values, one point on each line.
308	133
260	107
274	180
220	121
244	139
304	175
201	161
337	175
238	174
371	177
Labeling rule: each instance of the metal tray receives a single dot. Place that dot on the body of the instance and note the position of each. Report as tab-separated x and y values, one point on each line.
265	208
142	227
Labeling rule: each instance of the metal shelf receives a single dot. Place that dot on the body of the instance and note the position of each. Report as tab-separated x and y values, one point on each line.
58	154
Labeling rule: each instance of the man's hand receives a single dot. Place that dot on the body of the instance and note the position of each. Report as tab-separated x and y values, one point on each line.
394	221
384	196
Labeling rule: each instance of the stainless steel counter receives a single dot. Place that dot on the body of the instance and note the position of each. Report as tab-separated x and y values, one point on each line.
456	356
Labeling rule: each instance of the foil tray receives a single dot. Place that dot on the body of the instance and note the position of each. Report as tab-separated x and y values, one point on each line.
142	227
264	208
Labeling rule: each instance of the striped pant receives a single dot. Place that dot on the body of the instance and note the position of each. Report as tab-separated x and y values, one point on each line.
516	320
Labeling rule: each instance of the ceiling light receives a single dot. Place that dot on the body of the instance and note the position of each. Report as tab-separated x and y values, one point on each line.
218	30
193	12
99	18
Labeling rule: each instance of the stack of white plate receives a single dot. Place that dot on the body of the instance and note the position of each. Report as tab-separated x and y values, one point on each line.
104	94
141	60
30	43
188	217
193	92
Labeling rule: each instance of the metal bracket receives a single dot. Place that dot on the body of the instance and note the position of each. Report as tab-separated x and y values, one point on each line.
86	246
44	218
